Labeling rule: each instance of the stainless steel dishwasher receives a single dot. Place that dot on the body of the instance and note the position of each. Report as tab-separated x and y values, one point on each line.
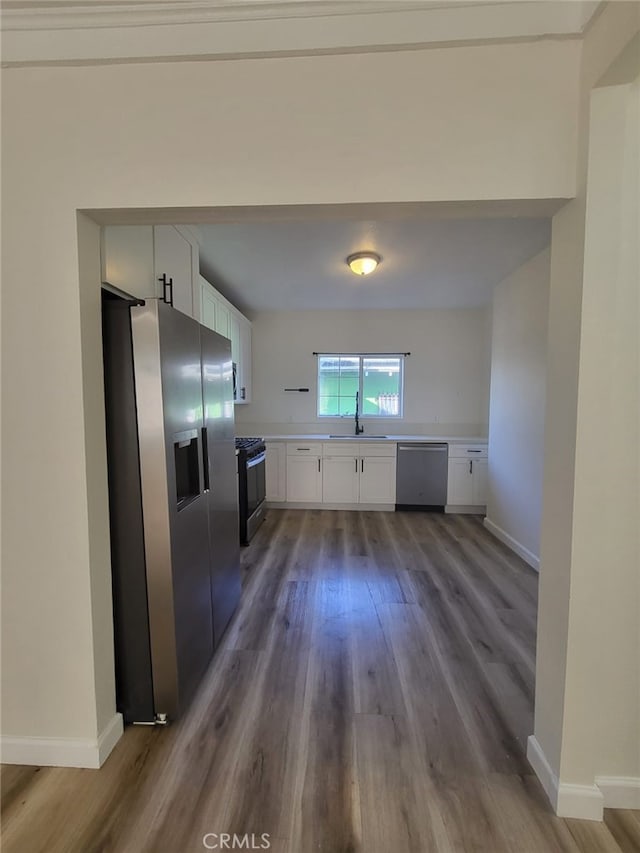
421	478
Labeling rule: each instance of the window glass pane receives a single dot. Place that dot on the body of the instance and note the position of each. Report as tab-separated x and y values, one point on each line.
328	407
377	378
338	381
381	386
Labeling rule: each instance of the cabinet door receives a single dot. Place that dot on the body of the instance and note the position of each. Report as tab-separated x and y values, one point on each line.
378	480
304	479
276	472
172	257
479	484
244	387
459	486
208	304
236	354
127	259
222	321
340	479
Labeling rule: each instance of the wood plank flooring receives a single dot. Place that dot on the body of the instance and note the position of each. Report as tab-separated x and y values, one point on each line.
373	694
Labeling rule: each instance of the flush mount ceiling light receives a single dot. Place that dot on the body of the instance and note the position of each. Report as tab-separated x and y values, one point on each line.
362	263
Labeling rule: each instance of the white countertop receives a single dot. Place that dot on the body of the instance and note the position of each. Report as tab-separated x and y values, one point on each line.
449	439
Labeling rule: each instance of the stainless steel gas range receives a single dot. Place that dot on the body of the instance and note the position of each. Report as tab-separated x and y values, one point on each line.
251	485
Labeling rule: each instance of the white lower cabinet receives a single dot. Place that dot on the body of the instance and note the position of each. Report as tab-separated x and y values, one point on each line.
480	476
276	472
304	472
359	473
341	479
378	479
467	481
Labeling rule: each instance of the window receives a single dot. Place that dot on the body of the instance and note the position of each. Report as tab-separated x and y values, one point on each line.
376	378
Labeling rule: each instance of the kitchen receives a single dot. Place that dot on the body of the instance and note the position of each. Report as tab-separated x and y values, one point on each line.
515	134
431	294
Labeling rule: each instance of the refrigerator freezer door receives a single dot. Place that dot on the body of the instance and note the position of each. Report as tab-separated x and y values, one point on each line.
220	459
134	685
169	405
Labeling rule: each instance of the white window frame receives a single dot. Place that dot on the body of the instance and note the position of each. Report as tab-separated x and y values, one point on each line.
361	356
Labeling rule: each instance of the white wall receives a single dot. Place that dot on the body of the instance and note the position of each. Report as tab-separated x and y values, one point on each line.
516	408
576	615
446	382
606	709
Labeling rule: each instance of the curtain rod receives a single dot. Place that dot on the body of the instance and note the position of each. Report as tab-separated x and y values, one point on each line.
404	354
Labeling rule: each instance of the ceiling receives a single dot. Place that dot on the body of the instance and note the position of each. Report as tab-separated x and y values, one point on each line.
426	263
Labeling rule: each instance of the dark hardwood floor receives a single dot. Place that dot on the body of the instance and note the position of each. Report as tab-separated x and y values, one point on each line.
372	695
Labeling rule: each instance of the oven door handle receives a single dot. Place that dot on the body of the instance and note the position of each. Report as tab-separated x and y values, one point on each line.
251	463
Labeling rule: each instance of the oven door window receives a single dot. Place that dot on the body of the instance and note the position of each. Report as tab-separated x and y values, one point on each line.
256	486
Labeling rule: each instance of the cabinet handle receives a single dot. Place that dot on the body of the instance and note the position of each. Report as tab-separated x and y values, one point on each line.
362	466
474	451
243	393
318	465
356	461
167	286
303	448
471	466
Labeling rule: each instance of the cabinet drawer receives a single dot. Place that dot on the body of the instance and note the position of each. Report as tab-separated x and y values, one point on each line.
304	448
378	448
467	451
341	448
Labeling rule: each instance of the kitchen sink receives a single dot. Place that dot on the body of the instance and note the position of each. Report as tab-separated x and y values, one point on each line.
358	437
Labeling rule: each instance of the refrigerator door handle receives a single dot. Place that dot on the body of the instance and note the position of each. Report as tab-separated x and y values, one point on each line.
205	461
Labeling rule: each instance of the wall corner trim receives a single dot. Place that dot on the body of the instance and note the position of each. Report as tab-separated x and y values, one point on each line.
585	802
528	556
620	792
62	752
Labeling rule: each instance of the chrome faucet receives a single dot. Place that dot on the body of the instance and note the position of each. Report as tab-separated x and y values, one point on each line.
359	428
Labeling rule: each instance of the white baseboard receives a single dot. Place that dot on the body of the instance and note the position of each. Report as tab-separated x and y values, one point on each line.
541	767
109	737
62	752
585	802
319	505
528	556
620	792
464	509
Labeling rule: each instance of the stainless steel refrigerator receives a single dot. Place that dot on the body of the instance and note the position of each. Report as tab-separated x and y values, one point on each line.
173	501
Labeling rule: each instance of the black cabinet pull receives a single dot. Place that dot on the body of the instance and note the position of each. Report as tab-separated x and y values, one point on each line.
167	288
471	466
318	465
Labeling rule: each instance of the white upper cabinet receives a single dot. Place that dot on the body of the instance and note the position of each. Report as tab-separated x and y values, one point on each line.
138	258
127	259
219	314
148	261
173	264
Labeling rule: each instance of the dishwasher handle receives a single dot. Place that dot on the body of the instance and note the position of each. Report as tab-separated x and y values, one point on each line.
435	448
